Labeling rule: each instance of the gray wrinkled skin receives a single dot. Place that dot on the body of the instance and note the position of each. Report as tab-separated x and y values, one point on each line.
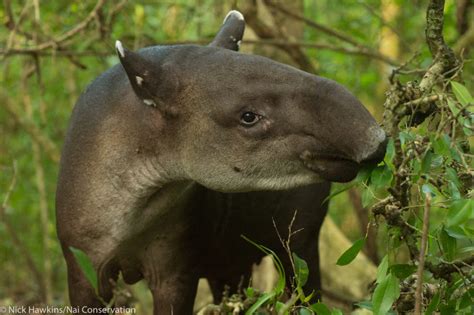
159	176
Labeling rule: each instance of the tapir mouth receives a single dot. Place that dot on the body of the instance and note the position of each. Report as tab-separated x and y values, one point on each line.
331	168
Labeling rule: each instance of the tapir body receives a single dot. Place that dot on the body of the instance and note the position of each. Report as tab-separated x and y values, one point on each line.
176	152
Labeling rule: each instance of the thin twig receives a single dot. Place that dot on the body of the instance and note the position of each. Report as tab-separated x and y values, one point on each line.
361	48
12	231
421	260
269	42
67	35
41	186
31	128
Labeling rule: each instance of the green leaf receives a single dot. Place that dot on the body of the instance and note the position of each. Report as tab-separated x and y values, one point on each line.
448	244
86	266
301	270
336	312
350	254
364	174
453	176
250	292
279	305
382	269
304	311
426	162
441	146
462	94
447	309
390	154
260	302
467	299
433	304
381	177
452	107
367	197
402	271
453	190
467	249
386	292
280	286
320	309
340	190
457	232
405	136
306	299
364	304
460	211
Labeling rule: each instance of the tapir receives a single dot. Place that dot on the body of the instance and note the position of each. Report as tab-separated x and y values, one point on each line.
175	152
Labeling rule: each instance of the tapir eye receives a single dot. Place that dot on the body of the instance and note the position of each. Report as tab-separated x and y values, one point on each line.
249	118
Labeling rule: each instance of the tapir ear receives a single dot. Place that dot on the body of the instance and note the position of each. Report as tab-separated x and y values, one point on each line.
231	32
143	75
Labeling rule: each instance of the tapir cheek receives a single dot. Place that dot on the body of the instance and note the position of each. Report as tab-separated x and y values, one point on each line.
260	131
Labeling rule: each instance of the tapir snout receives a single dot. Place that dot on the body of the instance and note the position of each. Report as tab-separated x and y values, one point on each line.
346	135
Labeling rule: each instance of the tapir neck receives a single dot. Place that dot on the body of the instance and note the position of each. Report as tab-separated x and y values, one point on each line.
144	177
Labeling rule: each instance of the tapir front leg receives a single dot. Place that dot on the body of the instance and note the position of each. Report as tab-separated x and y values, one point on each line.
81	292
174	294
171	273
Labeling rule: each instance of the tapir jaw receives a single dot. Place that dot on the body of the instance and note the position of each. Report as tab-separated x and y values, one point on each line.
331	168
339	168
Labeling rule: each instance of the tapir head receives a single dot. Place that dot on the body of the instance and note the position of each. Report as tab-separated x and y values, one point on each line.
237	122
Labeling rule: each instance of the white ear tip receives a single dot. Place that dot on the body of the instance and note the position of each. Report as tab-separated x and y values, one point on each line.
119	47
235	13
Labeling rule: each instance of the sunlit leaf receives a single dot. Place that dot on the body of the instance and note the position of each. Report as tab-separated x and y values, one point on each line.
304	311
367	197
342	188
386	292
320	309
466	250
467	300
365	305
279	305
433	304
86	266
249	292
389	154
260	302
460	211
457	232
453	108
448	244
462	93
402	271
381	177
280	286
382	269
426	162
301	270
350	254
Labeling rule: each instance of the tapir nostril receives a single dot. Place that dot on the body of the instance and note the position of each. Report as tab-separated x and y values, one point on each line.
378	155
